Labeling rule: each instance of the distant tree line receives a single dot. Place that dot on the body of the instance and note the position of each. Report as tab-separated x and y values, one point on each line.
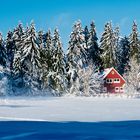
34	62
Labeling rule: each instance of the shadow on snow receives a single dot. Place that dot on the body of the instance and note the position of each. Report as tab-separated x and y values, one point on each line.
32	130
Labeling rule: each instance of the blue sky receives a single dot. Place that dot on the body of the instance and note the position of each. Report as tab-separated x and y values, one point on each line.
63	13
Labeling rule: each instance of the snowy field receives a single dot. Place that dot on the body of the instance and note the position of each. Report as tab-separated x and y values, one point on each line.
82	109
84	118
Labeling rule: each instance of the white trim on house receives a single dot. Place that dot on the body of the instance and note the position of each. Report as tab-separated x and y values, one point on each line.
121	89
109	80
116	80
109	70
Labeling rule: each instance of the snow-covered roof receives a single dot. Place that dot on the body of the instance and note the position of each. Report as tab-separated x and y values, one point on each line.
104	73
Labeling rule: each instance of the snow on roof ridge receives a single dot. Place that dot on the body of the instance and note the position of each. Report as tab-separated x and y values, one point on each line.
109	70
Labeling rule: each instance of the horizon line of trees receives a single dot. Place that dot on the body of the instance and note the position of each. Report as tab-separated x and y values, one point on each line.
35	61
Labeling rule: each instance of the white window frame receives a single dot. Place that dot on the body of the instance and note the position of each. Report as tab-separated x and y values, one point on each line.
109	82
115	80
118	90
121	90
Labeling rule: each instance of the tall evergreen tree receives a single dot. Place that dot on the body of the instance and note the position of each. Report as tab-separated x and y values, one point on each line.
46	54
134	43
10	47
3	55
108	47
87	35
76	54
123	56
40	39
93	47
31	60
17	71
58	74
77	49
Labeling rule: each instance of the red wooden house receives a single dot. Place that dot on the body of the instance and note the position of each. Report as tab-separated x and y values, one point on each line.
112	81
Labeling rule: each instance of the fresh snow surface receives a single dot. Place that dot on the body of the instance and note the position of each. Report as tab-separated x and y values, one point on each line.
79	109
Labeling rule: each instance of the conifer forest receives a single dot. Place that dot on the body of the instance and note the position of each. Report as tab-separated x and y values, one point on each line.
34	62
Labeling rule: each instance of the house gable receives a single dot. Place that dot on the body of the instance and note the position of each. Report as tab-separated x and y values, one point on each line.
115	76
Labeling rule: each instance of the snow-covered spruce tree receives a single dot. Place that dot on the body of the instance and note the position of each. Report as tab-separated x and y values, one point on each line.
57	75
86	35
117	39
17	75
30	61
41	44
134	43
40	40
3	76
46	54
108	47
132	78
50	49
123	56
3	55
10	47
18	37
93	47
76	55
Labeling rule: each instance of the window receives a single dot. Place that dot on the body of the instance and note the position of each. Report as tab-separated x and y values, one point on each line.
116	80
116	89
109	80
121	89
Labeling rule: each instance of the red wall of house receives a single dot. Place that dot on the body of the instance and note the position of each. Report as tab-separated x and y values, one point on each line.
111	86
